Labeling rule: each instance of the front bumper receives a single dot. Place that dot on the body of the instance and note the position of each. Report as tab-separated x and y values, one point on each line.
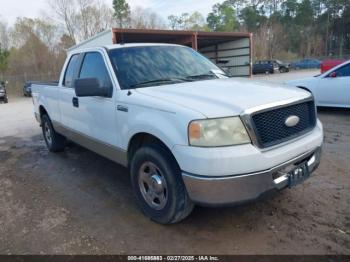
37	117
214	191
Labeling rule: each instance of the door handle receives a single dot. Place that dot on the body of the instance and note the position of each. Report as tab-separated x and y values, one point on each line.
123	108
75	102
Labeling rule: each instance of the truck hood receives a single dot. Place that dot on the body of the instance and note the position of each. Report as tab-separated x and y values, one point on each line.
224	97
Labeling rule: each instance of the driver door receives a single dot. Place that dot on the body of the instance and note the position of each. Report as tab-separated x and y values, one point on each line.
334	89
95	117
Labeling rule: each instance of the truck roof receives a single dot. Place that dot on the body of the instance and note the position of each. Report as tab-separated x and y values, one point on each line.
116	46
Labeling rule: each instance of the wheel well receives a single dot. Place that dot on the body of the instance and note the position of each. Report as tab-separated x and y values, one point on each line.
305	88
42	111
142	139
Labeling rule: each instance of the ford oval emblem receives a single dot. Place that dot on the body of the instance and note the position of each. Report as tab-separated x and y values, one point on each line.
292	121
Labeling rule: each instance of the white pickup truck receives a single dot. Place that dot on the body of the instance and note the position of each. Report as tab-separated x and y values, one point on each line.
188	133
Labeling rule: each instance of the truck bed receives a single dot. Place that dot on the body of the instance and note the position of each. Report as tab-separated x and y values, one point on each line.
45	83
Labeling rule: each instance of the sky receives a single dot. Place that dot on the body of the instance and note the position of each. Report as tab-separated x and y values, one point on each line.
10	9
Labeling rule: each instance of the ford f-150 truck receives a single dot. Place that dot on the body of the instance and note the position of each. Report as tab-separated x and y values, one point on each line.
188	133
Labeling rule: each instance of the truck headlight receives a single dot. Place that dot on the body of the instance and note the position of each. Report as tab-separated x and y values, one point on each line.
217	132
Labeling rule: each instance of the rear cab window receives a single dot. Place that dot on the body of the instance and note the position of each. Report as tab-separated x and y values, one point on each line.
71	71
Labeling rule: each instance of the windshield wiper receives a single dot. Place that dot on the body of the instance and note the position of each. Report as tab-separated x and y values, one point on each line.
203	76
209	75
160	81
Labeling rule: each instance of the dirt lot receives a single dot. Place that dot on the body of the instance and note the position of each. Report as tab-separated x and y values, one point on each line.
77	202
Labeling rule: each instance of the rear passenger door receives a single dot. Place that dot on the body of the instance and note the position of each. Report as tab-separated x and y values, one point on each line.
95	117
67	92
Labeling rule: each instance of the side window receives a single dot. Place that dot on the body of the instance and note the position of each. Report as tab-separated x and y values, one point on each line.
70	71
95	67
343	71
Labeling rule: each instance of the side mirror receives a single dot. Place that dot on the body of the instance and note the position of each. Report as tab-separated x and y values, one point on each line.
85	87
333	74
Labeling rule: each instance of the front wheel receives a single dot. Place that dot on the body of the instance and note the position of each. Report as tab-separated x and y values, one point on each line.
6	100
54	141
158	185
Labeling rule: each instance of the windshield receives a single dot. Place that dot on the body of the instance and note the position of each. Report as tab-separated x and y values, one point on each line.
159	65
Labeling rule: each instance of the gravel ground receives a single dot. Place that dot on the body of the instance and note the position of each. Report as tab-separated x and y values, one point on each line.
77	202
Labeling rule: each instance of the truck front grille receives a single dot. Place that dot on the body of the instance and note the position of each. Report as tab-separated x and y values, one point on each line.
270	128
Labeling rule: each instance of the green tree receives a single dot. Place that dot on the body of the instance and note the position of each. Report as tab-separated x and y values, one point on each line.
289	10
4	54
223	18
304	14
121	12
196	22
179	22
251	18
186	21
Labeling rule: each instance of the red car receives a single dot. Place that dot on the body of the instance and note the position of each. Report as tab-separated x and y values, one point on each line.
330	63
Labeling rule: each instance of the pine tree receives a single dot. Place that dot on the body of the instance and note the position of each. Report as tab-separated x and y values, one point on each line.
121	12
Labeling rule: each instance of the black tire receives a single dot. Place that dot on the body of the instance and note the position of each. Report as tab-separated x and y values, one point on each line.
178	204
54	141
6	100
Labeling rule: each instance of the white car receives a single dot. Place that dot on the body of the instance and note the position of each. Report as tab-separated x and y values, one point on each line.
331	89
188	134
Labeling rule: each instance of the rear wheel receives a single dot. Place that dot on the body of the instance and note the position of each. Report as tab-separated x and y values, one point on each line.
158	185
54	141
6	100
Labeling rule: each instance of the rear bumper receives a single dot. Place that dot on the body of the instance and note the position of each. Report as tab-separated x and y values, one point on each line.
216	191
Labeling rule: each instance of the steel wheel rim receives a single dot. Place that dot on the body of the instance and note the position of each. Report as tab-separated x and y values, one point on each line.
153	186
47	133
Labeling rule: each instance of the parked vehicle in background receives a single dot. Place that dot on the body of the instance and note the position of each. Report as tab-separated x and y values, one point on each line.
263	67
27	89
331	88
188	133
306	64
270	67
282	66
330	63
3	93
